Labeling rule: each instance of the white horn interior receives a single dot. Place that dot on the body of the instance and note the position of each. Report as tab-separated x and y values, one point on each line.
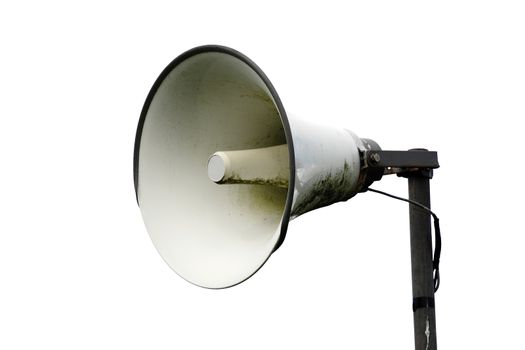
209	102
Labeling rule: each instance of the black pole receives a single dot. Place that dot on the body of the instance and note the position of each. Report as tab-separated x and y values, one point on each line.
421	252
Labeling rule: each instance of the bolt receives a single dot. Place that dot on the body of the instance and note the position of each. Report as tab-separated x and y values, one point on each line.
374	158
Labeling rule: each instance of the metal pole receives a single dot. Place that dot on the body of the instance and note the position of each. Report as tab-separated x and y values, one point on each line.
421	252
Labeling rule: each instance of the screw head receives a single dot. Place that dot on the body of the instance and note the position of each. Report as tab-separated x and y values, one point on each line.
374	158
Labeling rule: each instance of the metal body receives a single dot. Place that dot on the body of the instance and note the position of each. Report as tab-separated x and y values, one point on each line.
421	253
265	169
327	165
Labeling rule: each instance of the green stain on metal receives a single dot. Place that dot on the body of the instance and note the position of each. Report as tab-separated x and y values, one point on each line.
259	181
326	190
278	181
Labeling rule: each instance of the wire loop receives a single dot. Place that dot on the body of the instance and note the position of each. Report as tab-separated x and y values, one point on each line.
437	233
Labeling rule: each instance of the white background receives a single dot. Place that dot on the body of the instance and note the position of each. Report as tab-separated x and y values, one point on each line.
77	268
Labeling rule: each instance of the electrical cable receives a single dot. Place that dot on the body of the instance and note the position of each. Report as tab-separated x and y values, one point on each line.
437	232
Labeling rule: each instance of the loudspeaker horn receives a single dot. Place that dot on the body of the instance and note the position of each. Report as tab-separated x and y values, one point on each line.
220	168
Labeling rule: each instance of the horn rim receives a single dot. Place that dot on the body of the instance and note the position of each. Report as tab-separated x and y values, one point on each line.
282	113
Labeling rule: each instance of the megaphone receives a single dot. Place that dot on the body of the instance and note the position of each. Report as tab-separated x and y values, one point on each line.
220	168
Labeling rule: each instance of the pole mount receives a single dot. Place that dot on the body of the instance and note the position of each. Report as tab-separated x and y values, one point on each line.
409	163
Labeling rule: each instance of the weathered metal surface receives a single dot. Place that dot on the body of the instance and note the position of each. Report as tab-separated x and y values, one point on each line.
327	165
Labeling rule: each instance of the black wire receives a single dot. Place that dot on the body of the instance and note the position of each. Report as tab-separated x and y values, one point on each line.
437	249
